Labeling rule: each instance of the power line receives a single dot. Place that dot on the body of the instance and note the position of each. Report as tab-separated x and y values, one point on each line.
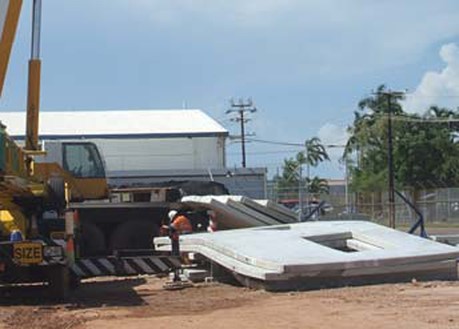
263	141
425	120
266	152
407	118
275	142
413	95
241	108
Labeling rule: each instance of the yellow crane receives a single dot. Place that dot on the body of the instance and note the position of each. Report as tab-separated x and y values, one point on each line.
41	184
30	188
9	17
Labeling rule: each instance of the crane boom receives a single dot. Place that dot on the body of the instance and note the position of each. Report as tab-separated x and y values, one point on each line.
9	16
33	93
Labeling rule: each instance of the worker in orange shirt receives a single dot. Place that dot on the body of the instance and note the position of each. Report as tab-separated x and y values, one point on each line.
179	223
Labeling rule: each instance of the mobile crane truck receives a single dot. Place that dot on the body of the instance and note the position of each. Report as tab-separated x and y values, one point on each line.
40	192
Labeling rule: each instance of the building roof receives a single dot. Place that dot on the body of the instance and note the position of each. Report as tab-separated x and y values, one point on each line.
113	124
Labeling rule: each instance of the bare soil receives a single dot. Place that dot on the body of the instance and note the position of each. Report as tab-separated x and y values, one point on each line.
142	303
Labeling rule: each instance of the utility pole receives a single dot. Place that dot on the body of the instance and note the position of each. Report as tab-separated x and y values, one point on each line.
241	108
390	160
346	186
300	193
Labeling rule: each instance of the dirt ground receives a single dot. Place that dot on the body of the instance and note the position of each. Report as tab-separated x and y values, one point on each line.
142	303
137	303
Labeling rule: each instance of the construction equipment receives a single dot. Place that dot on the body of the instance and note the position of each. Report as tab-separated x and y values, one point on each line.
24	198
58	218
39	235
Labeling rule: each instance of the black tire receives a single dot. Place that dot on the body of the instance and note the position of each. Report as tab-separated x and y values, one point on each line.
74	281
134	234
92	240
58	282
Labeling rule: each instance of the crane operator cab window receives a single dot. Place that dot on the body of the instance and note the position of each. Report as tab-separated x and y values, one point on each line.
83	160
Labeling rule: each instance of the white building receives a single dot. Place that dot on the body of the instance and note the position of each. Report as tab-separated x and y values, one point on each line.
149	145
136	140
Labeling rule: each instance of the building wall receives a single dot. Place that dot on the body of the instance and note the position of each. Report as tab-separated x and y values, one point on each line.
165	153
144	161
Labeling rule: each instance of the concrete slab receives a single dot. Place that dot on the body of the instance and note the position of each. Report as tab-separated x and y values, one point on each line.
299	255
252	213
279	211
239	212
451	239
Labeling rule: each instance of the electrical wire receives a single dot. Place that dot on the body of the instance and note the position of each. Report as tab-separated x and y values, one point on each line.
407	118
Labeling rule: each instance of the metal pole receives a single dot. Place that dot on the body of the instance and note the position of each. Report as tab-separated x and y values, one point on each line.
242	138
308	172
390	164
346	186
33	93
300	192
241	108
36	27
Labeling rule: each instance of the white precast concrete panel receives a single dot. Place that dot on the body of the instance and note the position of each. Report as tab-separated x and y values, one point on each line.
3	10
294	255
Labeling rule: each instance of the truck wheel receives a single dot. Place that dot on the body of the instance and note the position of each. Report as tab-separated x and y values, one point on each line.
134	234
58	282
74	281
92	240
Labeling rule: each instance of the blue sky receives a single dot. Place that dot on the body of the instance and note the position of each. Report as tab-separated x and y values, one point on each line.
304	63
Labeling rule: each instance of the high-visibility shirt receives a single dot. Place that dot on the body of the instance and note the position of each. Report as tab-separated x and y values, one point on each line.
182	224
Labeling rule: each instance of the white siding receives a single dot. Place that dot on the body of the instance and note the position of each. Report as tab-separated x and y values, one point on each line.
208	153
160	154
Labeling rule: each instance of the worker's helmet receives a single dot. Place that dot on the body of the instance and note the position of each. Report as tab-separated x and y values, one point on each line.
172	214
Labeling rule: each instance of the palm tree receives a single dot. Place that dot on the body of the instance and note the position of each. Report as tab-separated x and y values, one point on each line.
315	152
318	186
291	177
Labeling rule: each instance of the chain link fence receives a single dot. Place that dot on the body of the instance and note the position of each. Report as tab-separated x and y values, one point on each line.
436	205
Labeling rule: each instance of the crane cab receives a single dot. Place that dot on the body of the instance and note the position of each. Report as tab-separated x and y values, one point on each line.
79	163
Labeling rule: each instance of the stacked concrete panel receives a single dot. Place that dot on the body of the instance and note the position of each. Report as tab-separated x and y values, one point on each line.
241	212
317	254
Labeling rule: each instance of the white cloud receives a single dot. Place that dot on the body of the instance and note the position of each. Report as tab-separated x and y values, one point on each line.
333	134
327	37
438	88
241	12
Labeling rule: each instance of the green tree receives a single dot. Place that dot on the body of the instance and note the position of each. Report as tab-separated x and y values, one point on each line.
314	153
426	154
318	186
